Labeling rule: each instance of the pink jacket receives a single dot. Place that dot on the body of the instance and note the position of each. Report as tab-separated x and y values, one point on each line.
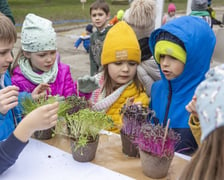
63	85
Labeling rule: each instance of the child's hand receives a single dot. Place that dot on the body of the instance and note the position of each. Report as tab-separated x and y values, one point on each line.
43	117
191	107
130	101
8	98
41	90
87	84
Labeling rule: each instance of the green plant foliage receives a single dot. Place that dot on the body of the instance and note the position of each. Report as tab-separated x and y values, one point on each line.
76	103
83	126
133	117
28	104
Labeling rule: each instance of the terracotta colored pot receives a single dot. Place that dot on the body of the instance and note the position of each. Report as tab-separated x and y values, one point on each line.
154	166
86	153
128	147
44	134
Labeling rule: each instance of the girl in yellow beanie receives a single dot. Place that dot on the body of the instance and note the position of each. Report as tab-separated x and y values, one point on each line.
118	82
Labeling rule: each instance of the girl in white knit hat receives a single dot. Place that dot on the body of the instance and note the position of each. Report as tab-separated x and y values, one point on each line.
38	62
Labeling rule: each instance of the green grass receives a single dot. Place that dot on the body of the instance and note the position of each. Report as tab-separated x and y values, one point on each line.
55	9
72	9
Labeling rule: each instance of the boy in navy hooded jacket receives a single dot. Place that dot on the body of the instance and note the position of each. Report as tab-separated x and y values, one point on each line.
183	49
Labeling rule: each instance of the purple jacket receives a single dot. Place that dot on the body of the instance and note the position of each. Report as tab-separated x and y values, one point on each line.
63	85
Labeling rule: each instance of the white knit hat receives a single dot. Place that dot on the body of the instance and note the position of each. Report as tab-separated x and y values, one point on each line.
37	34
141	17
210	101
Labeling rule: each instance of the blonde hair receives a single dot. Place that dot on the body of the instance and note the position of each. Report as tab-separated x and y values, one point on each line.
8	32
107	86
15	63
208	161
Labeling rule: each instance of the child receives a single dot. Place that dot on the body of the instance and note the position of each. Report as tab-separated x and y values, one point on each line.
85	38
100	14
10	98
171	13
6	10
117	18
36	62
41	118
207	162
212	13
141	17
118	81
193	120
199	9
183	49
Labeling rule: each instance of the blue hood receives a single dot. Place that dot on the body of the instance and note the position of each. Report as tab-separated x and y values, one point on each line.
169	98
194	33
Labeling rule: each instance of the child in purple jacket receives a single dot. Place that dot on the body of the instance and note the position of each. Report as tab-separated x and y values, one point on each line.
37	62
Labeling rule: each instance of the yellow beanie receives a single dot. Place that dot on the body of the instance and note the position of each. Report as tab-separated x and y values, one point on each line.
120	44
164	47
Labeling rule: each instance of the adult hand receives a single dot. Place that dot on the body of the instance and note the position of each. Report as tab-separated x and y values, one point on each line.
8	98
41	90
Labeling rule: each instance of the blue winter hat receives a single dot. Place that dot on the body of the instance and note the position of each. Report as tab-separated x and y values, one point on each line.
210	101
209	2
89	28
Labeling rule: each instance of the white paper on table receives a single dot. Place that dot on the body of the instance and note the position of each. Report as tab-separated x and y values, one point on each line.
40	161
183	156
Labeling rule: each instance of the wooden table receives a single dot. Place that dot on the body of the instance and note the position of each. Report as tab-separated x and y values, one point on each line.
109	155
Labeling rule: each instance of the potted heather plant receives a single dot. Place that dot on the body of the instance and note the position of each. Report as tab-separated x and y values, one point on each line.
156	146
29	105
133	116
76	103
83	129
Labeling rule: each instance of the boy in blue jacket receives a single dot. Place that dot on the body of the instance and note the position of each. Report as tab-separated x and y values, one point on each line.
10	97
41	118
183	49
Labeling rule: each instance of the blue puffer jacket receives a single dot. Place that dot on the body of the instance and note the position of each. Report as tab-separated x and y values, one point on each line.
169	98
7	121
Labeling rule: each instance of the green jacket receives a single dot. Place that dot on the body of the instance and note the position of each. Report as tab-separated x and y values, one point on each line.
96	45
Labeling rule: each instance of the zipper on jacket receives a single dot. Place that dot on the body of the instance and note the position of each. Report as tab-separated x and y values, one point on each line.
14	118
168	105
